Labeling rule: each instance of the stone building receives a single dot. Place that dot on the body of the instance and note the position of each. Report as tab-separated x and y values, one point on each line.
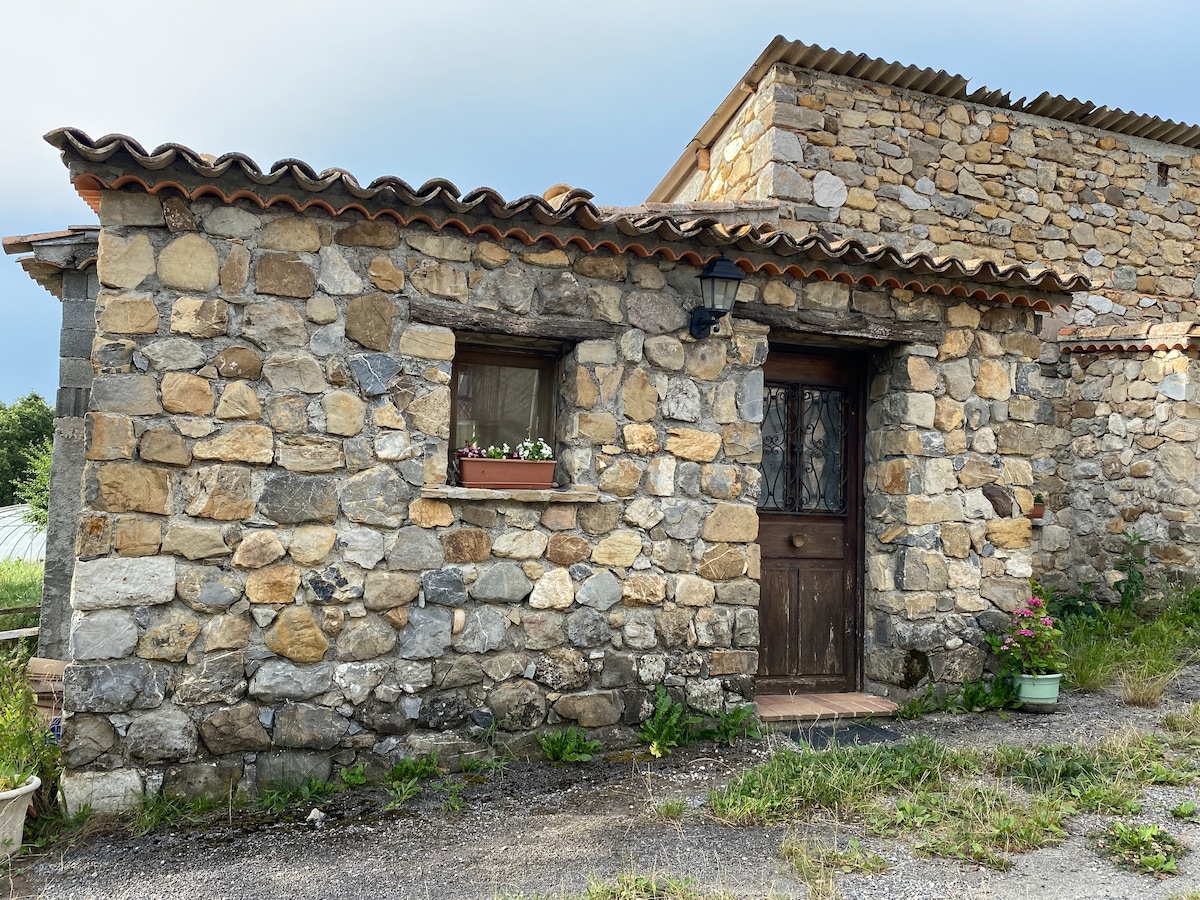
275	567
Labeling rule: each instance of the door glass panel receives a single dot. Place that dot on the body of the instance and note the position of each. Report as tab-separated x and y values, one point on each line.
804	446
822	447
776	440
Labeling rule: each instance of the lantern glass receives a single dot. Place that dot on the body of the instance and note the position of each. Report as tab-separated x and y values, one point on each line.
719	284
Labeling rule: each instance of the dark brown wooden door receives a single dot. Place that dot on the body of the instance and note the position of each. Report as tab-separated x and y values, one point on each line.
810	514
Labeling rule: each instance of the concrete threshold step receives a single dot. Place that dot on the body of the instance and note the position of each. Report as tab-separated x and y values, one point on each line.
822	707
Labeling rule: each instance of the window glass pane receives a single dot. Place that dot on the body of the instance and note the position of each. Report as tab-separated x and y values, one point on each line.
498	404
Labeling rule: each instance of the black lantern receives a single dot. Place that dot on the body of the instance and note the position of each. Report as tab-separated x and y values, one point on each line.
718	287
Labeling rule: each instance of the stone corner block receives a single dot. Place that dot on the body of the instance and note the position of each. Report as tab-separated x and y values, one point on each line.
117	582
107	793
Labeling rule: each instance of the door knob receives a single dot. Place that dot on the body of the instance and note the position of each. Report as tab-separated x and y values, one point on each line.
798	540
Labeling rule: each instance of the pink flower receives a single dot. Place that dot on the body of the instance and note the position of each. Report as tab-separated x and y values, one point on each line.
1025	632
1036	602
1047	621
1023	612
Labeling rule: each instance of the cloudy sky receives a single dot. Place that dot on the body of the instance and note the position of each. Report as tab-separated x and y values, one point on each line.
516	95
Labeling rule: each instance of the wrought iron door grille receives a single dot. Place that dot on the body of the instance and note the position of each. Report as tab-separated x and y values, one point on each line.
804	449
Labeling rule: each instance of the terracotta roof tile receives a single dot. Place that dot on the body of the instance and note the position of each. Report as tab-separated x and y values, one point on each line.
115	161
1142	336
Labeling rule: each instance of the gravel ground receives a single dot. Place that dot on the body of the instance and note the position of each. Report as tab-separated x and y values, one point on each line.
543	830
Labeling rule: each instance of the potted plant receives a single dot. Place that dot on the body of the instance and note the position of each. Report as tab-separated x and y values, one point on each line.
1030	653
528	465
24	748
1039	507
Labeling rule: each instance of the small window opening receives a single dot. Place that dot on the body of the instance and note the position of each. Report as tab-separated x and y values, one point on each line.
502	396
1164	172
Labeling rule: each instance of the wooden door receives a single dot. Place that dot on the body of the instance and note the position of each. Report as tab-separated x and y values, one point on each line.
810	514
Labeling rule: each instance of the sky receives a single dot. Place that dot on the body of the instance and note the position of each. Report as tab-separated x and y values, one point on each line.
517	96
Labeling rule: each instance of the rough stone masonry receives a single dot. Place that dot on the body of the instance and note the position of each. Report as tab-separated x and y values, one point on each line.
1118	431
274	575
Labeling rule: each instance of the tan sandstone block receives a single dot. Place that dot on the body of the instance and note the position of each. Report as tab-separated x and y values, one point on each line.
296	635
239	401
273	584
731	522
128	314
258	549
124	263
620	548
427	342
311	544
692	444
162	445
1010	534
384	275
129	487
137	536
109	436
242	443
199	317
189	263
430	513
190	394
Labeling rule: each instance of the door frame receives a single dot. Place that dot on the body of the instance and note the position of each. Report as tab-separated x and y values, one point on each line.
859	359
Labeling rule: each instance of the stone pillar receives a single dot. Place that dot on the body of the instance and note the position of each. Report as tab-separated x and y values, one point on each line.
74	386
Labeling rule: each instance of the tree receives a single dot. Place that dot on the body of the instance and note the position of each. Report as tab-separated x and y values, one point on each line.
23	427
35	489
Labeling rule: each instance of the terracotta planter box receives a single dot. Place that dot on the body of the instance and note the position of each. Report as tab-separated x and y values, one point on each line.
1038	511
507	474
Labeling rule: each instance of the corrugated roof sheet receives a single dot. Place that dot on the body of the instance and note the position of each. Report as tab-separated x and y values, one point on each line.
939	83
235	176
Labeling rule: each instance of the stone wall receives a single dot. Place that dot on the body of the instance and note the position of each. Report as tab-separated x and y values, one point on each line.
953	445
273	569
277	573
928	174
1130	466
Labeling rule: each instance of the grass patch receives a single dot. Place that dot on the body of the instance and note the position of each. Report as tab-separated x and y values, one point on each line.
975	805
1148	849
1141	685
630	886
1141	643
670	809
817	862
20	585
635	886
845	781
158	809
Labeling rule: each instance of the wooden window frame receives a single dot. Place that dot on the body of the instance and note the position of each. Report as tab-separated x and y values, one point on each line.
546	363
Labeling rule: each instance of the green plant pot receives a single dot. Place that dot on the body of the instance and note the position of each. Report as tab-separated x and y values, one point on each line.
13	805
1041	690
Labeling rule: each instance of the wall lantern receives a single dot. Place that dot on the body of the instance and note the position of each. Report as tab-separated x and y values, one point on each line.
718	287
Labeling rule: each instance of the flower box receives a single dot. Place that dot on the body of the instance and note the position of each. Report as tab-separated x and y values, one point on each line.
507	474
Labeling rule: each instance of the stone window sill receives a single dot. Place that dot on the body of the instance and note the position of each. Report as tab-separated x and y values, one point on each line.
571	494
